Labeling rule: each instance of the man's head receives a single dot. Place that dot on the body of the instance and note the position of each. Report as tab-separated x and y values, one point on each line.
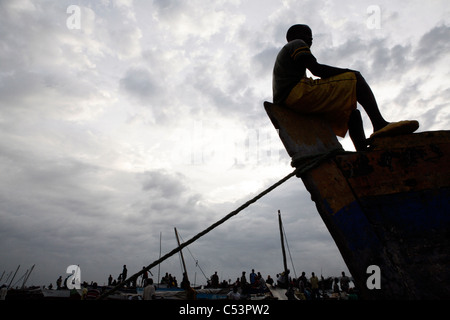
300	31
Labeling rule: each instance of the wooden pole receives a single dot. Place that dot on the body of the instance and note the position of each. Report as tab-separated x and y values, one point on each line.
181	253
159	265
282	248
207	230
27	276
14	276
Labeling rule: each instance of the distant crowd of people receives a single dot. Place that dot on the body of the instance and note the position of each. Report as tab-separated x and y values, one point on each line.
307	288
313	288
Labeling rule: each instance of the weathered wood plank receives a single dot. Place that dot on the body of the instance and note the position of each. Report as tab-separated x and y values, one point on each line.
302	135
396	169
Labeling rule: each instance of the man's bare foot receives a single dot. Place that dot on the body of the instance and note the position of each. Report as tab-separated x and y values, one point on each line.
396	128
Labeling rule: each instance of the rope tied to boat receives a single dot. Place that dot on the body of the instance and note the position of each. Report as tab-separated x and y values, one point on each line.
302	166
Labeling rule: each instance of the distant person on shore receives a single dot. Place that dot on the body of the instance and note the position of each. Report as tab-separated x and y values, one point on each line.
3	292
84	291
336	285
238	283
269	280
165	279
234	294
252	276
149	290
215	280
345	282
144	276
243	280
314	286
59	283
302	282
290	293
185	283
93	293
124	272
283	279
261	283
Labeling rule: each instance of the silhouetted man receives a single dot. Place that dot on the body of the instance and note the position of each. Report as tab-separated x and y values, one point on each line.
333	96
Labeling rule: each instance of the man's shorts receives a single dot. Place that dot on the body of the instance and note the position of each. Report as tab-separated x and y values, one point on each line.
333	98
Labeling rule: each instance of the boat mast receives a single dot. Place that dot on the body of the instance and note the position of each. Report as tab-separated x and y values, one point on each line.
181	254
27	275
14	276
282	248
159	265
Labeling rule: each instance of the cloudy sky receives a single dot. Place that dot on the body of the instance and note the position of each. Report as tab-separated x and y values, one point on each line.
121	120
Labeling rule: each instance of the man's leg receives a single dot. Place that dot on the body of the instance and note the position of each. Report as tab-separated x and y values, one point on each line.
356	131
381	127
367	100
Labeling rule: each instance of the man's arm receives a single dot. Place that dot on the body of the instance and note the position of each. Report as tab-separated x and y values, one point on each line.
322	70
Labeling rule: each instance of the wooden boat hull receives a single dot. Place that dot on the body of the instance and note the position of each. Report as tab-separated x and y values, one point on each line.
387	207
402	227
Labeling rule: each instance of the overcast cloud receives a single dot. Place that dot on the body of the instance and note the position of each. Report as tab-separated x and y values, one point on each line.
147	115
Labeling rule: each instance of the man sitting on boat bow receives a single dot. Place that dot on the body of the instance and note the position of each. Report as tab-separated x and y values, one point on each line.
333	96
